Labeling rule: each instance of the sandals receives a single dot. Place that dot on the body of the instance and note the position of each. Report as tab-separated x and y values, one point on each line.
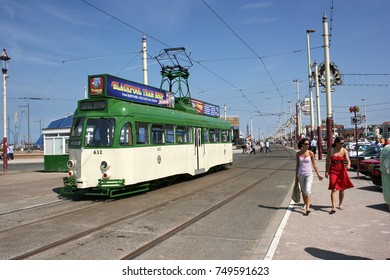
332	212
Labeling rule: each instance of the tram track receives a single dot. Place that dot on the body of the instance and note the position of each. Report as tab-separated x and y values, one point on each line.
190	222
108	224
144	248
33	207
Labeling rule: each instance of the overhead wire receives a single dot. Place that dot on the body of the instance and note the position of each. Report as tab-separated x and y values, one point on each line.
125	23
251	49
256	57
157	40
51	78
247	45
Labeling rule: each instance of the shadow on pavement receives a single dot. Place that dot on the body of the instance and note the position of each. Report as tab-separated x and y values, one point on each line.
381	206
330	255
371	188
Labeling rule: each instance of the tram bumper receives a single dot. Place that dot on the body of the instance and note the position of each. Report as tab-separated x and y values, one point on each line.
82	183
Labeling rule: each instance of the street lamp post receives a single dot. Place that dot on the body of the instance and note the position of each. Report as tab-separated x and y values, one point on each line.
329	118
298	117
28	125
291	123
308	31
365	117
319	123
355	110
4	67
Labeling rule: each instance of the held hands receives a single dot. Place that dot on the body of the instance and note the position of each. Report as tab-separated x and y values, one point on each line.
320	177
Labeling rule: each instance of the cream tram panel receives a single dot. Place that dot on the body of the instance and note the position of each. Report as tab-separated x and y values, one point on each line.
142	164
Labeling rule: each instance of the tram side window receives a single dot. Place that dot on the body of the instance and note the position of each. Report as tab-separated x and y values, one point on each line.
157	134
169	134
181	134
189	134
142	133
99	132
77	127
214	135
206	135
225	136
126	137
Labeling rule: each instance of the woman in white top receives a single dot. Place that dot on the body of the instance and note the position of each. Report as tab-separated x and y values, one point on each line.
303	171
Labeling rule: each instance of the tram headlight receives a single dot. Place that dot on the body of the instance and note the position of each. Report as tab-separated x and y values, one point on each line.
106	175
70	173
70	164
104	165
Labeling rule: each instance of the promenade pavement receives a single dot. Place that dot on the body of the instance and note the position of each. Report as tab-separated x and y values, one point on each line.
361	231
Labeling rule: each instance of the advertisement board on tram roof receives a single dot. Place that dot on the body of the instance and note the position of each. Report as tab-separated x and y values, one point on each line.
111	86
205	108
105	85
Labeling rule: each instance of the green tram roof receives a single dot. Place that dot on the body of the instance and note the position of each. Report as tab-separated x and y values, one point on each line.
153	114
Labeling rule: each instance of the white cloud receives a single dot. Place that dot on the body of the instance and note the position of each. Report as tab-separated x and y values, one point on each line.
256	6
261	20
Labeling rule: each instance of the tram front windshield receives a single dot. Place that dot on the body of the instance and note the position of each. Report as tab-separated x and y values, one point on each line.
99	132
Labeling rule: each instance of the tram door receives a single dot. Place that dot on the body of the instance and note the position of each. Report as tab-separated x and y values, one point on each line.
199	152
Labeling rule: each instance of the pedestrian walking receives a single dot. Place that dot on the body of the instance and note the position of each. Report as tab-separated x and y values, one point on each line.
305	160
248	146
262	145
313	146
253	147
10	151
385	171
337	172
267	147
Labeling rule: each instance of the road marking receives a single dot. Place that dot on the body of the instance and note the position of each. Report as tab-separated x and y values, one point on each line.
275	241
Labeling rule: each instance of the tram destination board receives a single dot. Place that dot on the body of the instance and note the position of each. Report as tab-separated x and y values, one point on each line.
92	105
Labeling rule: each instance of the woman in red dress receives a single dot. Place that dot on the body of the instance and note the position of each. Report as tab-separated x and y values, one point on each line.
337	172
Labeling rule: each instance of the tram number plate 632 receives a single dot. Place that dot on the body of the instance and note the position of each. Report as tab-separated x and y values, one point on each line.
98	152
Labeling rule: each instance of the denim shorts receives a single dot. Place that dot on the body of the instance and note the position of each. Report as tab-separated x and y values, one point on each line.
305	181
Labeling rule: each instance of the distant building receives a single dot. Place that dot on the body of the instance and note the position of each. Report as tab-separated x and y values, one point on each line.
55	144
234	121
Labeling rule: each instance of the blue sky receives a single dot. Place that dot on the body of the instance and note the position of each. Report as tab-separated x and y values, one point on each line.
54	45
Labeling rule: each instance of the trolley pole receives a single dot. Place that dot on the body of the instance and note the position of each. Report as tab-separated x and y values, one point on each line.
329	118
291	122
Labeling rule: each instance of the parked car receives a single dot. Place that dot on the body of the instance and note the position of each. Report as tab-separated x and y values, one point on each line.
376	175
367	166
371	152
351	147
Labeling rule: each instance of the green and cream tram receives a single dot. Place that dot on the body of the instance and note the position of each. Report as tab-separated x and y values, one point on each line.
126	136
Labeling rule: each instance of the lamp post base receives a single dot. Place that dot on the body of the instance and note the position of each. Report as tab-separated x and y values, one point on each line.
5	156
